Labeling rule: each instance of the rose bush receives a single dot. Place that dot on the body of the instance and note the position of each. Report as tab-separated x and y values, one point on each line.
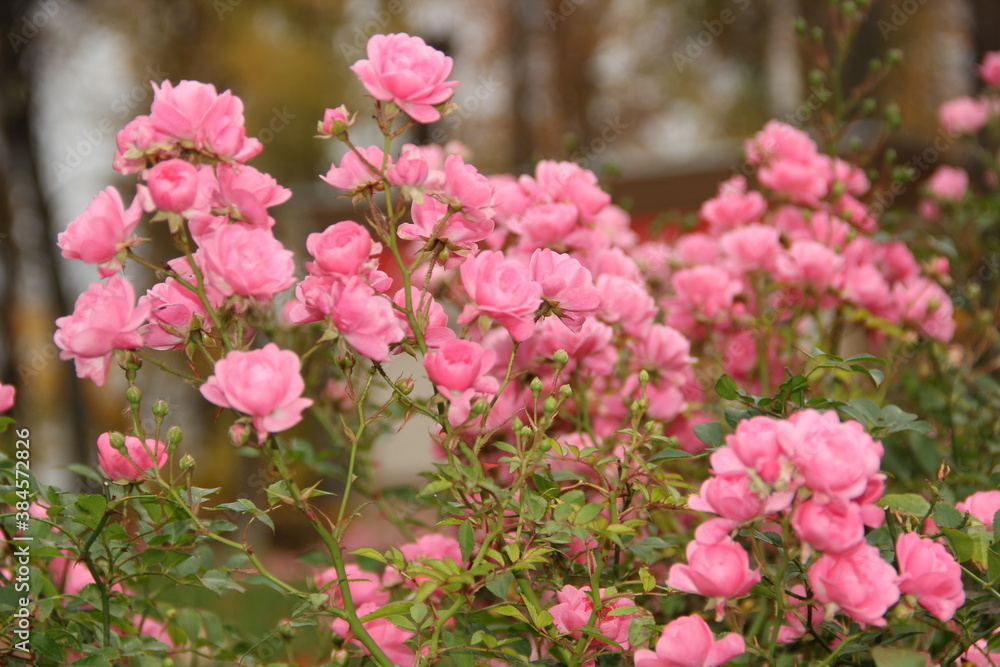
578	378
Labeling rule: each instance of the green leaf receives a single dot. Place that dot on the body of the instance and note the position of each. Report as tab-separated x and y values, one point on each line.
947	516
466	540
393	608
993	562
865	357
726	388
368	552
910	503
588	513
647	579
668	453
897	657
418	612
85	471
710	433
511	611
500	585
93	506
435	487
961	544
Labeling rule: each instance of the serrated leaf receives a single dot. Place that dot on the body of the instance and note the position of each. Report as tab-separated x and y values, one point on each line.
368	552
961	544
510	611
624	611
466	540
897	657
587	513
391	609
665	454
947	515
726	388
434	487
500	585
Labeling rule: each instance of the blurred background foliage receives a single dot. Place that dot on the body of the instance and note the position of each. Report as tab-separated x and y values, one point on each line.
655	95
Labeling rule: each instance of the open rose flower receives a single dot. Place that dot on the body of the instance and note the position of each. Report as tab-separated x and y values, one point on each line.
931	574
403	69
688	642
102	234
857	581
265	384
500	289
131	462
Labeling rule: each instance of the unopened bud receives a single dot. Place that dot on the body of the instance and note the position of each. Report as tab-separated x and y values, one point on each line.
874	65
800	26
565	391
479	407
536	387
239	434
134	395
546	444
160	409
406	386
894	57
346	360
868	105
444	255
817	34
517	425
560	358
174	436
527	432
643	377
340	657
550	405
187	462
117	440
132	362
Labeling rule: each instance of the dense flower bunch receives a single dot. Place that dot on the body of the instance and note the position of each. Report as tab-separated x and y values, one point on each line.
561	354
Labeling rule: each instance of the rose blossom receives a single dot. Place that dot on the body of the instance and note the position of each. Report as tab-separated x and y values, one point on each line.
335	121
858	581
949	183
989	69
388	636
365	587
342	248
102	234
405	70
964	115
358	170
247	261
7	393
829	528
930	573
501	289
133	461
194	112
567	286
173	185
688	642
105	319
265	384
576	607
983	505
717	567
460	365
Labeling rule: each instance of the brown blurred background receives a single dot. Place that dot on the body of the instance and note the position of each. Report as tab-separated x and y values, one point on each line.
654	95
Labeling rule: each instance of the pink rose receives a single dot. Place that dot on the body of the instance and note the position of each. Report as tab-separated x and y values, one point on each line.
133	461
576	607
465	189
924	303
335	121
366	587
706	291
366	319
567	286
411	169
7	393
625	302
193	112
247	261
358	170
429	314
459	365
688	642
949	183
433	219
964	115
500	289
989	69
265	384
717	568
389	637
664	350
173	310
753	246
733	207
929	572
403	69
139	143
829	528
755	443
810	265
103	233
342	248
105	319
836	459
779	139
245	194
805	181
173	185
858	581
867	287
569	183
983	505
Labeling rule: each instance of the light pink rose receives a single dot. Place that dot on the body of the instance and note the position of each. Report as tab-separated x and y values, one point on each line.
366	587
193	112
546	224
501	289
781	140
465	189
403	69
664	350
688	642
132	463
411	169
805	181
733	207
365	319
858	581
430	316
753	246
173	310
335	121
836	459
979	654
7	394
103	233
389	637
567	286
929	572
924	303
989	69
342	249
717	568
576	607
949	183
173	185
983	505
357	172
569	183
457	231
265	384
696	248
625	302
833	528
459	365
247	261
964	115
810	265
105	319
705	291
865	286
139	144
244	194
